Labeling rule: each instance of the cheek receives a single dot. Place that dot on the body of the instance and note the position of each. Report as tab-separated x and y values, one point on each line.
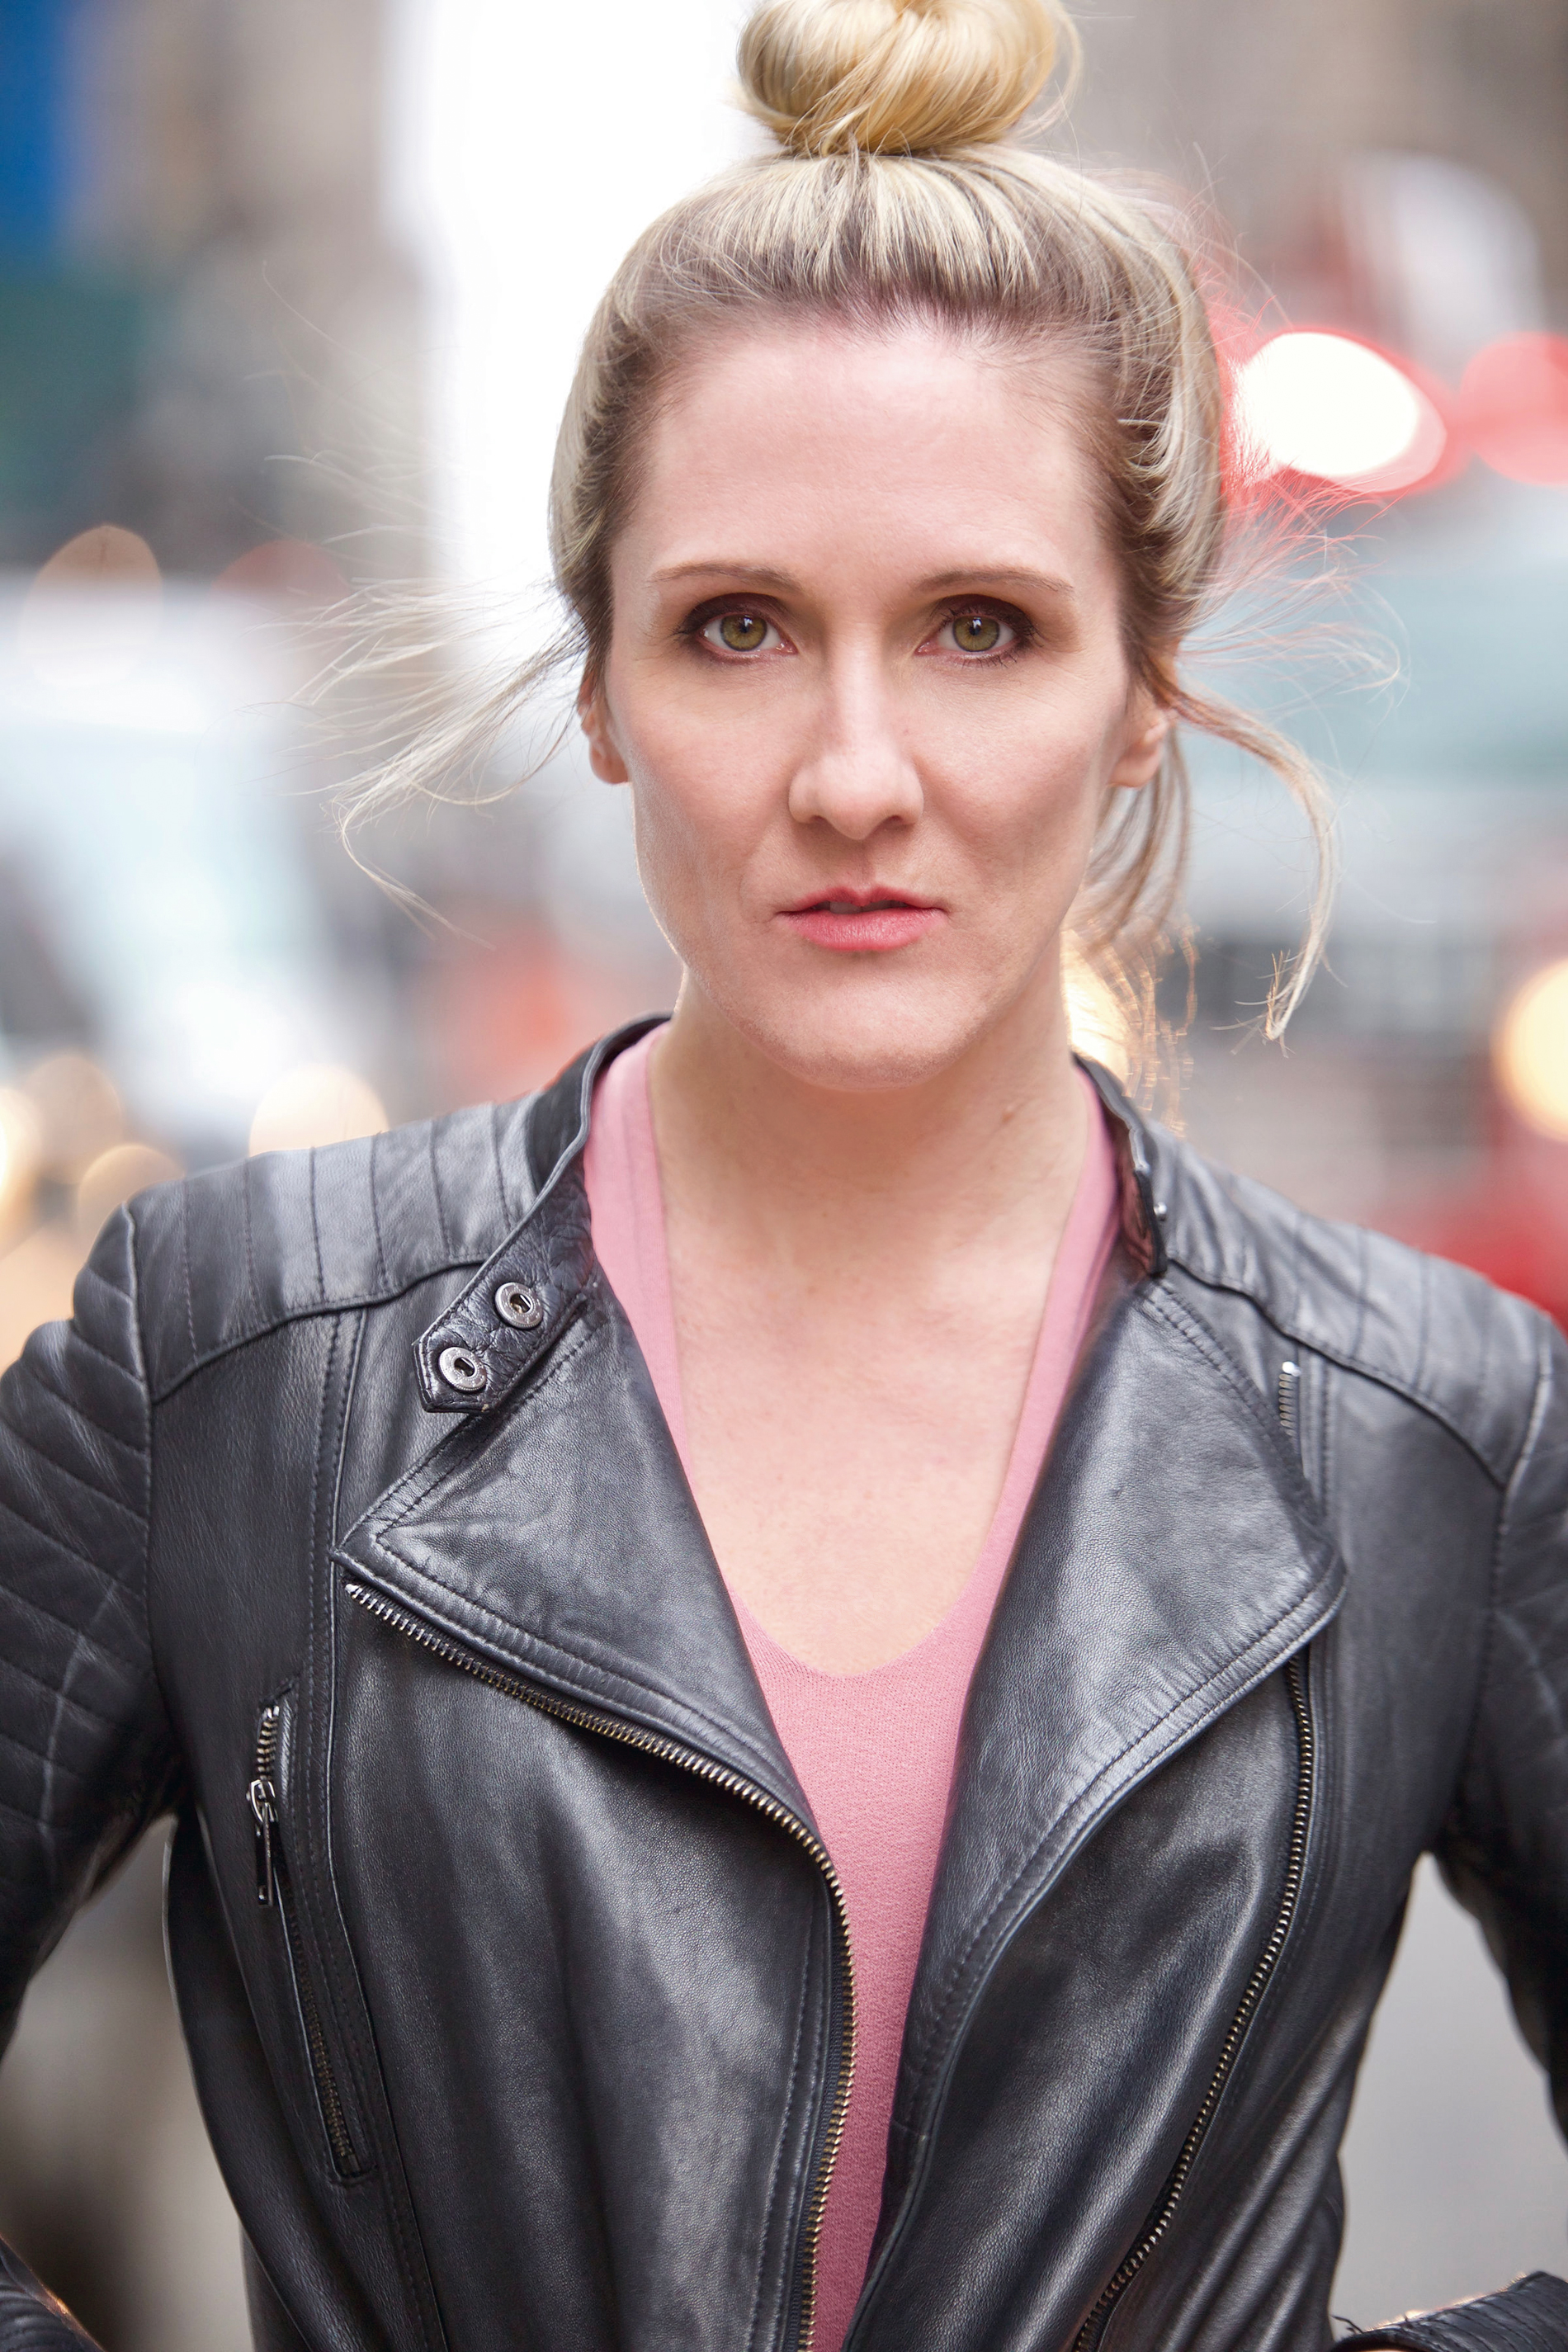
703	777
1030	790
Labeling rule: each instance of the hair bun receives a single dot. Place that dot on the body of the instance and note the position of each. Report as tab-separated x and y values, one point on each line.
905	77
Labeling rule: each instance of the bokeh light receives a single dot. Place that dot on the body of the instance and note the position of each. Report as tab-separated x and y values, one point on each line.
77	1111
318	1103
1514	404
21	1143
1529	1052
116	1176
287	571
1333	408
93	609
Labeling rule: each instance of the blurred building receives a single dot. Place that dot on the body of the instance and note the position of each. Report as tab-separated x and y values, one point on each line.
227	334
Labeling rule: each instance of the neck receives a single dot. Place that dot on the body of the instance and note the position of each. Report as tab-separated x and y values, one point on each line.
811	1178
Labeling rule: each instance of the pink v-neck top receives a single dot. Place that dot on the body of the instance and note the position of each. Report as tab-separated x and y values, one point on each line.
874	1752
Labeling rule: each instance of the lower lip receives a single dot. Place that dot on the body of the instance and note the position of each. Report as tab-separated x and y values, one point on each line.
875	930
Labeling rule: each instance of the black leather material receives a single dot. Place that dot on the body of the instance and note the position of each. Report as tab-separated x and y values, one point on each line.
1531	2315
537	2040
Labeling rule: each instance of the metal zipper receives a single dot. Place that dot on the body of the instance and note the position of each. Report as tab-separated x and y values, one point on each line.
273	1890
1286	1399
263	1798
717	1775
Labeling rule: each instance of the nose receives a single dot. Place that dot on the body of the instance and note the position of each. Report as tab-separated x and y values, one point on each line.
857	775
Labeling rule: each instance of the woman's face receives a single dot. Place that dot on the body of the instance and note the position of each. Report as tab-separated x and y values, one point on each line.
867	683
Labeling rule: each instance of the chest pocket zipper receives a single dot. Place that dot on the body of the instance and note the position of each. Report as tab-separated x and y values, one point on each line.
275	1892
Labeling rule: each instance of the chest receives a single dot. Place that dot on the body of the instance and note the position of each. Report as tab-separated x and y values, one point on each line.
848	1447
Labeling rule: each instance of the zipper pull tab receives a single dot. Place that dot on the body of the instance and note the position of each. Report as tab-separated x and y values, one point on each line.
264	1805
1287	1398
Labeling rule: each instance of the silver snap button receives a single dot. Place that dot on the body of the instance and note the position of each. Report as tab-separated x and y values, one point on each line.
461	1368
1161	1211
521	1308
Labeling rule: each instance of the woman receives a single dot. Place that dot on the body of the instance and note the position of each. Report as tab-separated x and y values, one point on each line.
802	1678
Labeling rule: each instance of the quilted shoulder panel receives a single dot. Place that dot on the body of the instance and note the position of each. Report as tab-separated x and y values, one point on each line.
233	1252
1437	1333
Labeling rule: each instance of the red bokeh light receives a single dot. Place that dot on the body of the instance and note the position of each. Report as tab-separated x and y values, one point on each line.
1513	406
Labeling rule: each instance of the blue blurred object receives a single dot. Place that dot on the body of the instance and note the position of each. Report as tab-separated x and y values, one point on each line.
35	86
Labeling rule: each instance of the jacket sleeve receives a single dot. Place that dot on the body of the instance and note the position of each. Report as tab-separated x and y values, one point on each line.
86	1755
1504	1848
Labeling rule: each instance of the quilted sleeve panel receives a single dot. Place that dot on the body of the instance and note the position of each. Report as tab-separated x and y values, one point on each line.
86	1756
1504	1849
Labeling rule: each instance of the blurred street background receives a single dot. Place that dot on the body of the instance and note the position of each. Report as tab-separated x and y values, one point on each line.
289	298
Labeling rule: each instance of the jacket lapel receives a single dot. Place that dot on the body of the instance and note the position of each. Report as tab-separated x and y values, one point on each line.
1173	1556
554	1532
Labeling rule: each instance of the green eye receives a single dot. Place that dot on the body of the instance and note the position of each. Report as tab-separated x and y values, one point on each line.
976	633
742	631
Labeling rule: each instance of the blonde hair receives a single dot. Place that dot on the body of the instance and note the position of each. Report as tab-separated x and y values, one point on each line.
892	198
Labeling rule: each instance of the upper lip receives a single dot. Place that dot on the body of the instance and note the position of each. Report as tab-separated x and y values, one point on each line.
856	897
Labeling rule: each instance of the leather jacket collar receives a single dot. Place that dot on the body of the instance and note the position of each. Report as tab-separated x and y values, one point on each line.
618	1604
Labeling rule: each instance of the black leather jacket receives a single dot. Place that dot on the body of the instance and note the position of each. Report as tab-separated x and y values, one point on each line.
342	1519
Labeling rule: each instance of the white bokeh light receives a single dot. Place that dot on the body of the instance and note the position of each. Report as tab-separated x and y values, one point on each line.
1331	407
529	147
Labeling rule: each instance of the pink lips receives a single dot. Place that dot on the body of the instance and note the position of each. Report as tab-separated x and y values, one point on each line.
863	922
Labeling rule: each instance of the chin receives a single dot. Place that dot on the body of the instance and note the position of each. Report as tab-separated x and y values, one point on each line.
865	1039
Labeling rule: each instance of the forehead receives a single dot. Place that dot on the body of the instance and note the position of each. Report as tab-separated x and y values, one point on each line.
915	445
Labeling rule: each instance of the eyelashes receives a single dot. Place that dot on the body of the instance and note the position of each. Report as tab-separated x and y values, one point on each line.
976	633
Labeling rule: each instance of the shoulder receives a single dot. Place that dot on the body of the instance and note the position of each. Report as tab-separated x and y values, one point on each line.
1437	1334
222	1257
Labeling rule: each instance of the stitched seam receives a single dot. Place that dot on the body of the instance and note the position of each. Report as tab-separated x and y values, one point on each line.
39	1755
105	1590
436	1188
126	1446
353	1303
99	1494
80	1339
348	1991
316	1233
375	1215
37	1818
94	1568
568	1664
774	2179
1348	1363
437	1474
63	1698
417	1484
144	1401
1207	1344
496	1161
1500	1535
245	1181
186	1253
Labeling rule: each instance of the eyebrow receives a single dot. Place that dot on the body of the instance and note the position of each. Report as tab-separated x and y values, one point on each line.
760	575
1012	576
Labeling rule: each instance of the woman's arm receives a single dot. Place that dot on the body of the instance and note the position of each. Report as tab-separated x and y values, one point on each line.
86	1755
1504	1848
